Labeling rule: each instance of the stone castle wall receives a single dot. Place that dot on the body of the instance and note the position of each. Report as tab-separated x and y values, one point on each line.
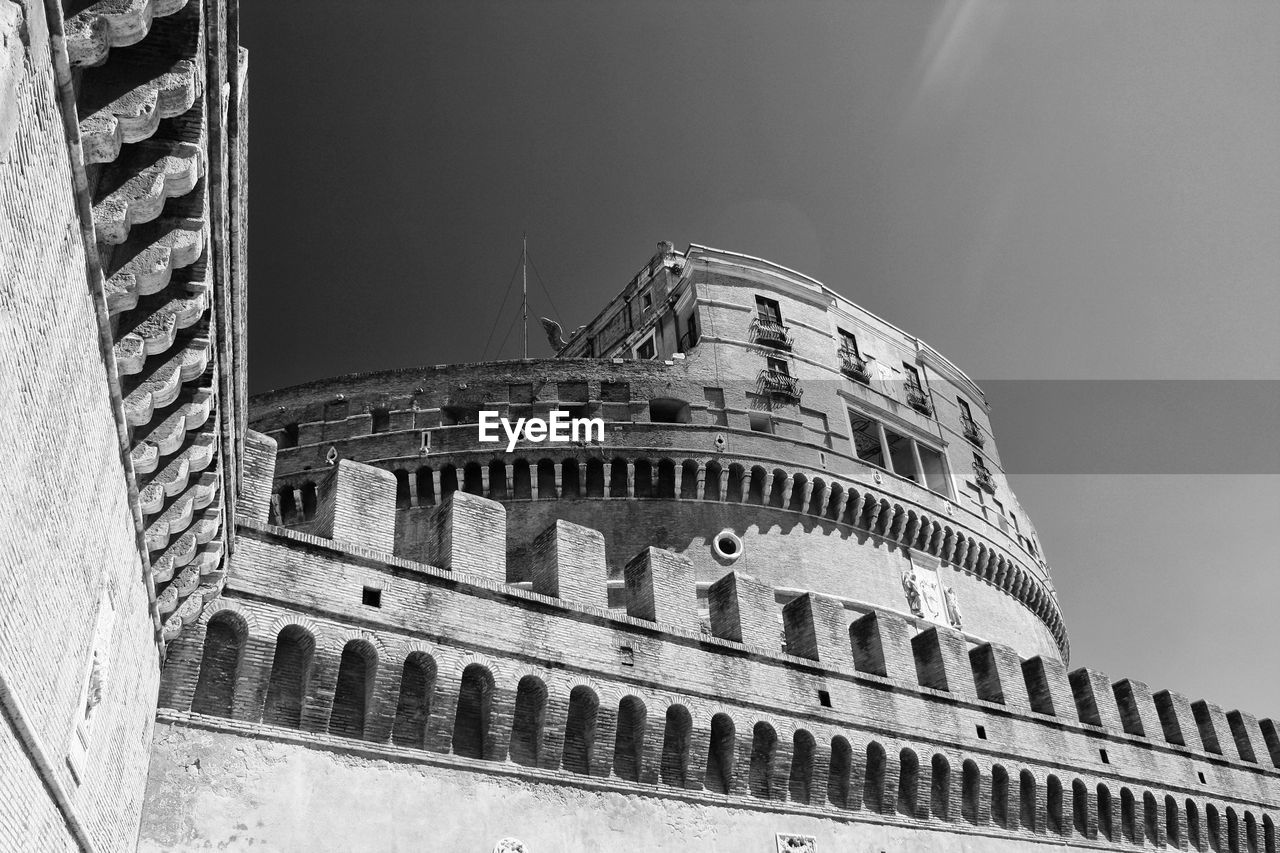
72	765
376	678
117	335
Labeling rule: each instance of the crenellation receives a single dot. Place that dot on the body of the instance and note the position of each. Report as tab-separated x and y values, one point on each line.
1095	699
881	644
357	505
998	676
469	534
1048	689
660	587
943	662
743	610
568	562
1176	719
815	627
1137	709
1215	734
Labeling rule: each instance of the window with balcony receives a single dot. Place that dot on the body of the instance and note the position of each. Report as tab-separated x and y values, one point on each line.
767	327
852	364
916	396
776	379
982	476
968	425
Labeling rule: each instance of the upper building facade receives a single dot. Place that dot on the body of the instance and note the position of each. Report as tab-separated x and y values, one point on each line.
765	424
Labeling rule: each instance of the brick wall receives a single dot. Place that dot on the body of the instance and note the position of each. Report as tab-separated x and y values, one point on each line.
947	737
69	544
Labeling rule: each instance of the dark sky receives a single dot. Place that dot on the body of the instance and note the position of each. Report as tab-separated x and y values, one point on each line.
1041	190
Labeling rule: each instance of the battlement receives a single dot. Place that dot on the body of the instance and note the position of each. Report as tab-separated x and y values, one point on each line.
799	701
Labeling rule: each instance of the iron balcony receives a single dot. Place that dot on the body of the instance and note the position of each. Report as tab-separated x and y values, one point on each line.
854	366
972	432
779	383
919	400
770	333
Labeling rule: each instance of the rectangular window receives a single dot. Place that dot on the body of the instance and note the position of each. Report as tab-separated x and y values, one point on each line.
965	414
935	473
904	461
778	365
848	343
646	300
647	351
381	420
760	422
912	377
866	440
768	310
689	339
975	495
1001	519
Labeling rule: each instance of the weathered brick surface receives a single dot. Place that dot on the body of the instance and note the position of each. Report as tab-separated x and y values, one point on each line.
68	540
743	610
815	628
1095	698
568	562
497	627
357	505
660	588
469	534
259	472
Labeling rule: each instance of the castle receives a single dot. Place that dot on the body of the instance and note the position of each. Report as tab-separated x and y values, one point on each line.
787	601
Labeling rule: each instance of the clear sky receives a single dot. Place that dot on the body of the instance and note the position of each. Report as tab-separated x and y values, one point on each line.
1041	190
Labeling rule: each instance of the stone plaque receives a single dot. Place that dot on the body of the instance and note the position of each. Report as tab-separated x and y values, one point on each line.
926	596
796	843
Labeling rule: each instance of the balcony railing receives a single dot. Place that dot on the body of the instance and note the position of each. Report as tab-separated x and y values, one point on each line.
919	400
855	366
779	383
972	432
984	479
770	333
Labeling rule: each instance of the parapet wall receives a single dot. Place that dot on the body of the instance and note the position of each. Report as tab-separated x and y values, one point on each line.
865	716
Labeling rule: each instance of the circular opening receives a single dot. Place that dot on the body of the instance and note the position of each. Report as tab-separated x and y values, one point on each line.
727	545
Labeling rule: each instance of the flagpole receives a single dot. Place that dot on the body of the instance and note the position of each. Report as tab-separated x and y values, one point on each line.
524	290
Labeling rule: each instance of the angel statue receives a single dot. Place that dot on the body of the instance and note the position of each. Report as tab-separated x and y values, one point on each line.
912	588
953	609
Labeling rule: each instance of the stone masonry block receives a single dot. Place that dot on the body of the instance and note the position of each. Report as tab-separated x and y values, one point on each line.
881	644
941	656
814	626
1215	734
1176	719
1137	709
259	472
468	533
997	675
358	505
743	610
1271	737
567	561
1248	738
1095	700
1048	688
661	588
